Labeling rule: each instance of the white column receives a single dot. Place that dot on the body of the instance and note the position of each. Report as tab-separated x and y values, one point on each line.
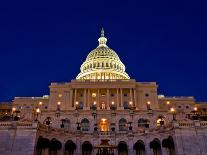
98	101
71	99
117	98
88	102
84	99
75	96
135	98
121	99
130	93
108	101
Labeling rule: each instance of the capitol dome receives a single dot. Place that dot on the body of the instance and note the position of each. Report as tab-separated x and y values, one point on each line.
102	63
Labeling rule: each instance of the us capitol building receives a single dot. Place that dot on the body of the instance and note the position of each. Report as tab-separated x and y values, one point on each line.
104	112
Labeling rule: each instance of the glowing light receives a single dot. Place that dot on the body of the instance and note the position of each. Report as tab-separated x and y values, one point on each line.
168	102
195	108
13	109
103	119
59	103
94	103
59	95
40	103
76	102
93	94
172	109
130	102
148	102
38	110
112	102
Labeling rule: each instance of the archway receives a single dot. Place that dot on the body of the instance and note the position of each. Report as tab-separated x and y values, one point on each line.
87	148
42	145
139	147
104	125
155	145
55	145
122	148
168	143
69	148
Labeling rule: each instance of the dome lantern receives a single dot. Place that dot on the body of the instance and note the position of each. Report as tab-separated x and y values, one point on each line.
102	40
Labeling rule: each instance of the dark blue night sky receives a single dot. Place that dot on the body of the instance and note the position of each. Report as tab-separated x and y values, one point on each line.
47	41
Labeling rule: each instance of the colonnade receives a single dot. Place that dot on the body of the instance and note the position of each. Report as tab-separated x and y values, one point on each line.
118	97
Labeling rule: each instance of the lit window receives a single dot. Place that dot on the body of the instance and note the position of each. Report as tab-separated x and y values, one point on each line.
93	94
160	121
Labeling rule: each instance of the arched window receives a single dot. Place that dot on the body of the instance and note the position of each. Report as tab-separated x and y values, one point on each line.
65	124
122	148
42	145
85	124
90	66
87	148
139	147
143	123
169	145
160	121
122	124
55	145
69	148
155	145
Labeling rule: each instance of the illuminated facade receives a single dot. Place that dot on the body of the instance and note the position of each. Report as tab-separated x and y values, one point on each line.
104	112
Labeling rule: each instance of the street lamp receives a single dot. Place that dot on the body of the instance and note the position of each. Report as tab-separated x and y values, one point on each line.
37	113
172	110
195	112
13	111
58	109
148	105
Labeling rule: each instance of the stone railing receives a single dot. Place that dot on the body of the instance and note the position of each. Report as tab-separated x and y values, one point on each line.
183	124
104	80
14	124
189	124
203	123
5	124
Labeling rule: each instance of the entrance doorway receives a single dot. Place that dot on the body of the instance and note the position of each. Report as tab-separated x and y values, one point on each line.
104	125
